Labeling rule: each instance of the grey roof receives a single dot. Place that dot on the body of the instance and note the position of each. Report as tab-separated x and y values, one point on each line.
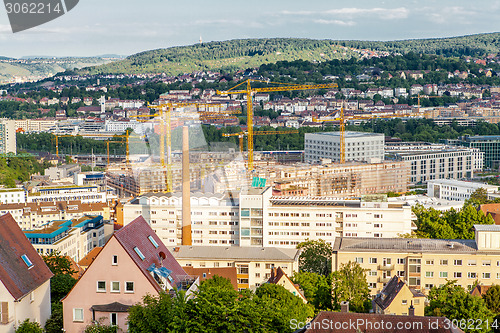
234	253
349	134
487	227
416	245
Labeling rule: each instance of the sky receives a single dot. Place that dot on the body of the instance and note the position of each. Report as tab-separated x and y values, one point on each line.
124	27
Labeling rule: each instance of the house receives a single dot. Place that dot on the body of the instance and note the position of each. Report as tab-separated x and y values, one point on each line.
396	297
479	290
348	322
24	279
132	264
279	277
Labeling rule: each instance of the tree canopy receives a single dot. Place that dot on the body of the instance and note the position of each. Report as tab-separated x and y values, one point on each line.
315	257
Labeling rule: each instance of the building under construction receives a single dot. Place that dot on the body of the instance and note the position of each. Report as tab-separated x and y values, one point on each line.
336	180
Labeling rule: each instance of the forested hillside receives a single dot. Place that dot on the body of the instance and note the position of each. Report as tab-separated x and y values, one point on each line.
244	53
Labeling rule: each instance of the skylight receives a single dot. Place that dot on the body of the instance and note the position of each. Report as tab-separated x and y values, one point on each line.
152	240
139	253
27	261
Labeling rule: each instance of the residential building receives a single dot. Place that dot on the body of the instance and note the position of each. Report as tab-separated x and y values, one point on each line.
424	263
24	279
85	194
435	162
450	189
62	171
480	290
73	238
337	180
12	195
132	264
205	273
359	146
397	297
8	136
279	277
348	322
33	215
253	264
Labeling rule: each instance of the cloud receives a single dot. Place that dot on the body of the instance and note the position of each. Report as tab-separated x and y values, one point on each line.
447	15
351	13
335	22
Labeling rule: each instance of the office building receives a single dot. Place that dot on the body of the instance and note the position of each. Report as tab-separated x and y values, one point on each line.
488	144
359	146
455	190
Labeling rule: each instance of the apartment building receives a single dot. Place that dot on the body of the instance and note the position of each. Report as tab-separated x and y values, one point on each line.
436	162
73	238
85	194
337	180
424	263
455	190
7	136
253	264
359	146
35	125
12	195
254	217
33	215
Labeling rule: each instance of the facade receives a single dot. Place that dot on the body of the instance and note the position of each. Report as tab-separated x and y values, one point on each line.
132	264
33	215
396	298
456	190
12	195
424	263
24	279
259	219
429	164
337	180
73	238
359	146
488	144
253	264
85	194
62	171
8	136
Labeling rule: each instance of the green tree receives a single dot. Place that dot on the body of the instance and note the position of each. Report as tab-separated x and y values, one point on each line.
58	264
29	327
454	302
55	323
492	299
349	284
317	289
315	257
99	327
480	197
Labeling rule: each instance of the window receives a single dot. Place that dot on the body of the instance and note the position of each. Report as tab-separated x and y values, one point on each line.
404	302
114	260
443	262
429	262
257	265
372	273
471	263
429	274
4	313
373	260
113	319
443	274
400	273
129	287
457	274
457	262
139	253
486	275
359	260
27	261
372	285
486	262
115	286
152	240
101	286
78	315
257	275
472	275
401	261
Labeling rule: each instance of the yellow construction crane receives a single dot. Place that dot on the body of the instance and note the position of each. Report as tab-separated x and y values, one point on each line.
249	92
240	135
164	115
97	135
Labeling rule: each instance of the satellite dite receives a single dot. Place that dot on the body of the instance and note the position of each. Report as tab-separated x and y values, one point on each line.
26	14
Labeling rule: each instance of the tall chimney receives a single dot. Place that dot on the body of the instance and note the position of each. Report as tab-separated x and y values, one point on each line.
411	310
186	189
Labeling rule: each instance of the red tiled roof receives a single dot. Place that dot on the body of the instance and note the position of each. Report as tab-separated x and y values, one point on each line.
135	234
14	273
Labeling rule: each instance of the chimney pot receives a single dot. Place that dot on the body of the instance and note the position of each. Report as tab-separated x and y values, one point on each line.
344	306
411	310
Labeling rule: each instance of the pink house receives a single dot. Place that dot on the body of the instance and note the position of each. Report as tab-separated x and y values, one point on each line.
133	263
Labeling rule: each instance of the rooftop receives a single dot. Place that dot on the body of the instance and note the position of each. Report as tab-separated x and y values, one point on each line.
454	182
350	134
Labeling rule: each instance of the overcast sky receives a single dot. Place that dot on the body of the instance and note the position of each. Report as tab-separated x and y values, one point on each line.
96	27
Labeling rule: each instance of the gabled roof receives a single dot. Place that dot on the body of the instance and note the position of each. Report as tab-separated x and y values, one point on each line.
390	291
135	235
18	278
277	274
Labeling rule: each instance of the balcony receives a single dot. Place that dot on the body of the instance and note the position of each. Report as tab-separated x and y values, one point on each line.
384	279
385	267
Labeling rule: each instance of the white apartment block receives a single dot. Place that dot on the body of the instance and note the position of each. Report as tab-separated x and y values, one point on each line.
455	190
12	195
359	146
430	163
85	194
35	125
259	219
8	136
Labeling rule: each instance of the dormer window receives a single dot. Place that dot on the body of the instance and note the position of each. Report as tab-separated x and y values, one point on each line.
139	253
152	240
27	261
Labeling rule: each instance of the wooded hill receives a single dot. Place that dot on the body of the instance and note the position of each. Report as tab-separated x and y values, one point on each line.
245	53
